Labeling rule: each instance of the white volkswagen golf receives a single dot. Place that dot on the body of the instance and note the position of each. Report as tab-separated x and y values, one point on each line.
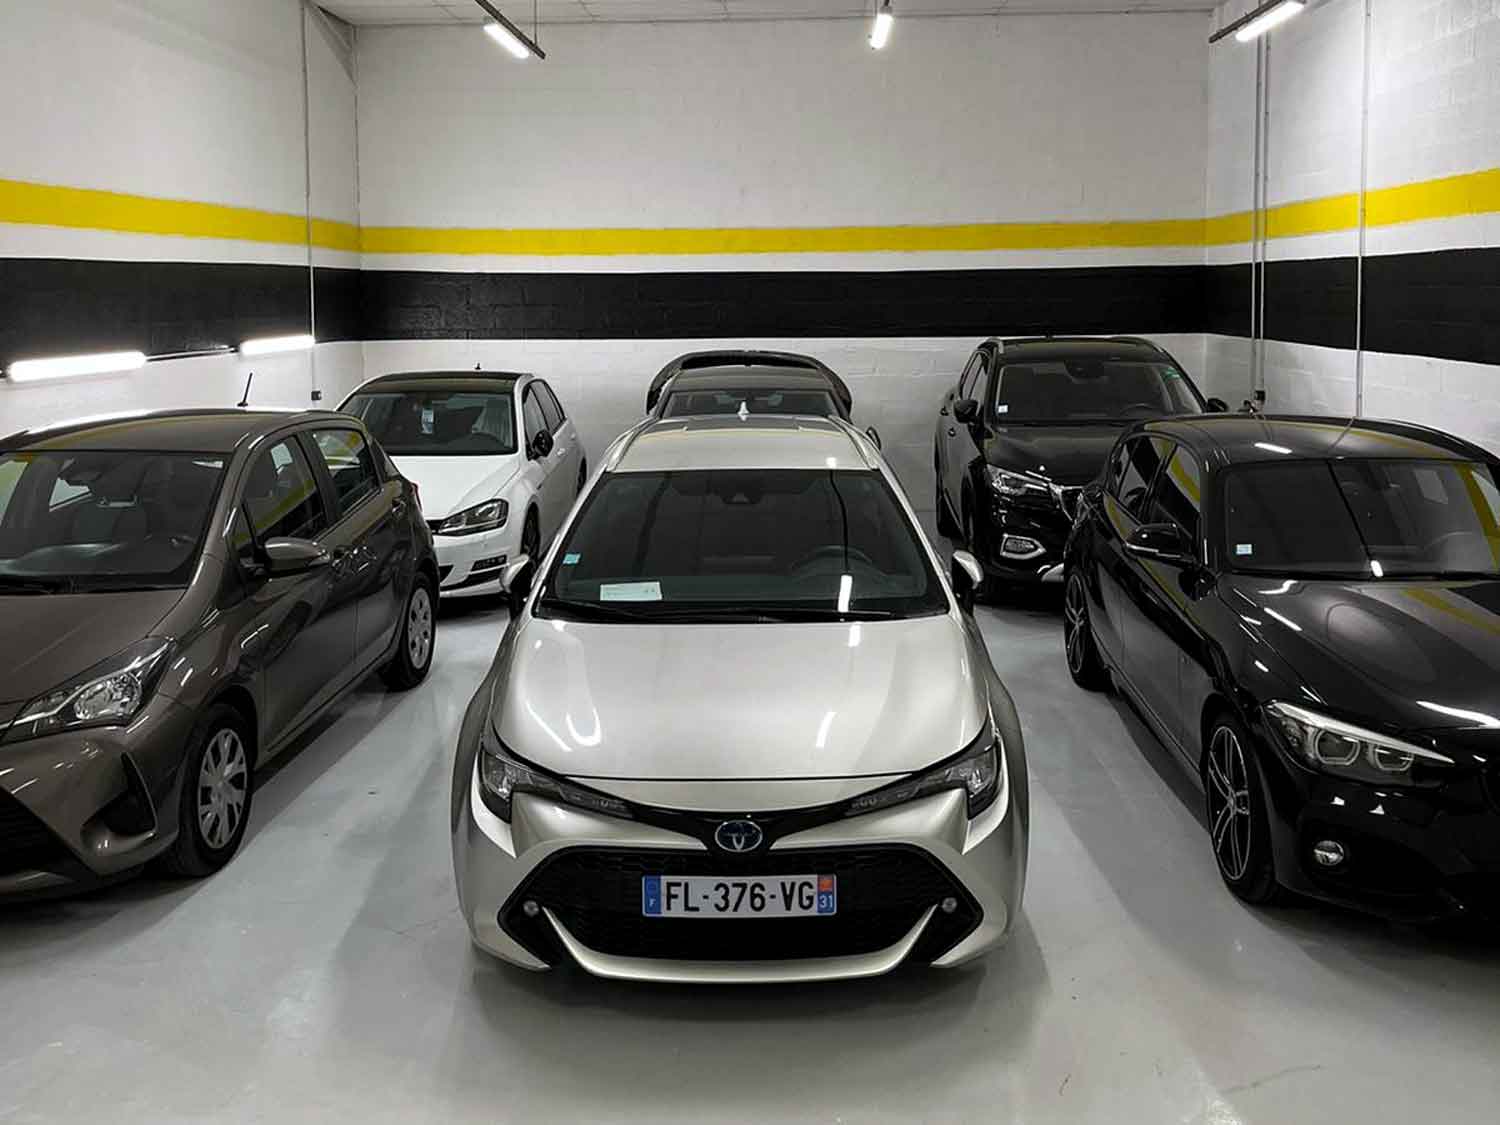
740	726
496	460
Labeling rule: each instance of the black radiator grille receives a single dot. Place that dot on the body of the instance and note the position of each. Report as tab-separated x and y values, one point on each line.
26	844
882	892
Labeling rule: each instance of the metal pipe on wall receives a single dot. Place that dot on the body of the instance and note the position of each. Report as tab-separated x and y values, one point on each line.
312	277
1364	187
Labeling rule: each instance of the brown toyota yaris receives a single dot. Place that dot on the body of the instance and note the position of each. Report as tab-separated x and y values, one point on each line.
180	595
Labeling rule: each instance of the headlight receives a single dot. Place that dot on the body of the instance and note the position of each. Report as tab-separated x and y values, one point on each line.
471	521
978	770
1013	485
502	776
1344	750
109	694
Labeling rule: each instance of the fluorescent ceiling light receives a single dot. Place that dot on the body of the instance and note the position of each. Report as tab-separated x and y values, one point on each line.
880	31
1271	448
270	345
60	367
501	34
1274	17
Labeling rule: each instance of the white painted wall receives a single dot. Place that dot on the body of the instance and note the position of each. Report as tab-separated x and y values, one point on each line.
180	99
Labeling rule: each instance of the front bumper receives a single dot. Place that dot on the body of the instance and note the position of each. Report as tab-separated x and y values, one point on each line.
471	565
1001	522
84	807
583	873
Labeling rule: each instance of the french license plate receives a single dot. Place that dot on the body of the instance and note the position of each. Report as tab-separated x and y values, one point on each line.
763	896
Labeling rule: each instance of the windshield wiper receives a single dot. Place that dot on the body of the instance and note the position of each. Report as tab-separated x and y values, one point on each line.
592	611
9	584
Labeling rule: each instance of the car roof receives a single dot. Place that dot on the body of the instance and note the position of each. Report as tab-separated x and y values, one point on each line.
1244	438
1043	348
744	357
751	377
759	441
491	381
166	431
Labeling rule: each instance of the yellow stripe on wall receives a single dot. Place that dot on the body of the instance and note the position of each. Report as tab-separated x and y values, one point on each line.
91	209
50	205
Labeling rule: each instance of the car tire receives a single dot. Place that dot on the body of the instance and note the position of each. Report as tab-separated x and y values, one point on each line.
531	538
945	522
409	665
1238	826
1080	649
213	806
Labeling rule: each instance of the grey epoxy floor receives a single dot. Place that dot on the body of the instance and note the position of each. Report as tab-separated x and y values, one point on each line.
326	974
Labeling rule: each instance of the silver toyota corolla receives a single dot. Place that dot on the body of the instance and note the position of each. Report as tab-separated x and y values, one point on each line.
740	727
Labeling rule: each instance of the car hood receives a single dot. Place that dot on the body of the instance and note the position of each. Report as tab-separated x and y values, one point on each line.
1414	655
722	702
451	484
67	634
1068	455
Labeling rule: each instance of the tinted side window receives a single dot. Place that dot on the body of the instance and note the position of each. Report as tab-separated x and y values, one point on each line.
551	409
1178	497
967	380
531	414
350	464
281	497
1143	457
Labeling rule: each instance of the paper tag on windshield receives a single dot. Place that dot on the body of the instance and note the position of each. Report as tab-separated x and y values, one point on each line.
1002	408
1244	548
571	558
630	591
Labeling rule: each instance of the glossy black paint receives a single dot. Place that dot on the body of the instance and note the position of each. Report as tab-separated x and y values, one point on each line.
1068	457
279	645
1416	659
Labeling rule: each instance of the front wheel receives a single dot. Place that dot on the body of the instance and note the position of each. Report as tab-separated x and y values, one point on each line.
413	657
214	804
1084	662
1238	825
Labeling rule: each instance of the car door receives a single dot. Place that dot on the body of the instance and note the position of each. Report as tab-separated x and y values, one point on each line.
372	537
958	440
1163	631
1131	472
299	632
566	449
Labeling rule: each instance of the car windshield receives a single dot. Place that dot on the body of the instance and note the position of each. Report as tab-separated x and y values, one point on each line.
108	520
681	404
438	423
753	545
1062	392
1364	518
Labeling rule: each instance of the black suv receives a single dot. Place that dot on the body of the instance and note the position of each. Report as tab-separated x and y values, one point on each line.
1031	422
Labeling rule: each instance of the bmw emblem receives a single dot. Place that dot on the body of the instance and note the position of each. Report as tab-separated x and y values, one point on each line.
739	836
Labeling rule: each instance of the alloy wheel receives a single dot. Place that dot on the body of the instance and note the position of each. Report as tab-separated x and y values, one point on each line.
1230	821
419	627
223	783
1075	623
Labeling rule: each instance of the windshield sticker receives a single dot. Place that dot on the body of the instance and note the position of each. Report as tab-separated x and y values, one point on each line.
571	558
630	591
1002	408
1244	548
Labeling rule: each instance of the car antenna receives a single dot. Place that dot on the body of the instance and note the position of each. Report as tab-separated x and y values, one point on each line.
245	401
478	368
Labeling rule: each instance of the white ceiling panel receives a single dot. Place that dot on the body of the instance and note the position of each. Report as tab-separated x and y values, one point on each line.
389	12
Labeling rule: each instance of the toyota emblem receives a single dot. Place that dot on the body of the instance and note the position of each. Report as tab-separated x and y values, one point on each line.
739	836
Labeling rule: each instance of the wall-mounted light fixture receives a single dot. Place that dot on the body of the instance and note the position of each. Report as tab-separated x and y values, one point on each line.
61	367
880	30
1256	22
508	35
272	345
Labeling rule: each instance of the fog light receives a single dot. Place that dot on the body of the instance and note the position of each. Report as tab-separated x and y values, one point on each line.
530	908
1019	546
1329	853
948	905
495	562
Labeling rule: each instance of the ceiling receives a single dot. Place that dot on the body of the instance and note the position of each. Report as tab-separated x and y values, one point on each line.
375	12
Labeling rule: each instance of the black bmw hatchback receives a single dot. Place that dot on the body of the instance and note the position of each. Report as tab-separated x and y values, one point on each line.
1028	424
1307	611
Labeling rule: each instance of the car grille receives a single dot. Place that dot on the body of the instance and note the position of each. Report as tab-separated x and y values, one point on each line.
26	844
882	892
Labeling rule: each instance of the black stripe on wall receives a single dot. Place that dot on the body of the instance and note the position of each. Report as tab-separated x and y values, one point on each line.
1307	302
416	305
1444	304
51	306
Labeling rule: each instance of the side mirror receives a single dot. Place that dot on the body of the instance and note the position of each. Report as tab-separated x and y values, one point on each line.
1161	542
284	555
968	576
874	435
541	445
966	410
1217	406
516	579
